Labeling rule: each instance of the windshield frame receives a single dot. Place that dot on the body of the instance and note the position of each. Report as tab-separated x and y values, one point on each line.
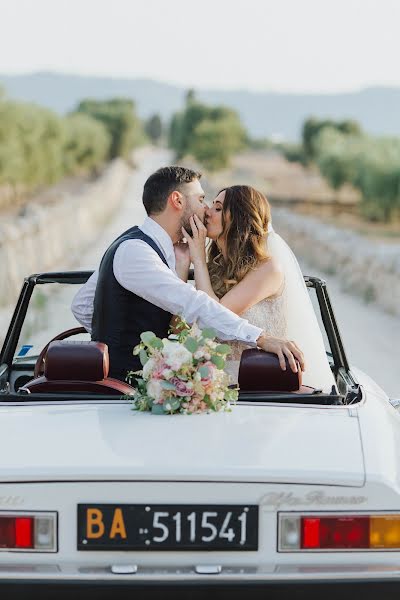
7	354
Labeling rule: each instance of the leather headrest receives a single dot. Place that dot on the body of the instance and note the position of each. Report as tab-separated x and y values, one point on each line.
76	361
260	371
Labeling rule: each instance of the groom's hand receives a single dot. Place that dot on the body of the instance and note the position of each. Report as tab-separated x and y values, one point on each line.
282	348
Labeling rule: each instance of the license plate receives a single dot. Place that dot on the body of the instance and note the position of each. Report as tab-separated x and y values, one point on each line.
167	527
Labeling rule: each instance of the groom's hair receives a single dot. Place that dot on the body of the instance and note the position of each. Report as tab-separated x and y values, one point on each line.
162	183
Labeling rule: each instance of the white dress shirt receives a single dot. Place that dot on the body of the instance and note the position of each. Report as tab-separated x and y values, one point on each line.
139	269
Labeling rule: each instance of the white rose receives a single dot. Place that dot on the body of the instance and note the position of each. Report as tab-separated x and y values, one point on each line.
176	354
154	389
148	367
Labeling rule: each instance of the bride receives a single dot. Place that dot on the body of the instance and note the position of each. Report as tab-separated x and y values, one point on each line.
253	272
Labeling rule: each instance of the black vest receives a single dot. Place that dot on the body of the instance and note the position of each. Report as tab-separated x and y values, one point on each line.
120	316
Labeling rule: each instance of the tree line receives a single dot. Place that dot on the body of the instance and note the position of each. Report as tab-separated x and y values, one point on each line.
344	153
211	134
39	147
341	150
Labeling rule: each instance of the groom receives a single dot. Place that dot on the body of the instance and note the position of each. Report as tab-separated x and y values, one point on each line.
137	288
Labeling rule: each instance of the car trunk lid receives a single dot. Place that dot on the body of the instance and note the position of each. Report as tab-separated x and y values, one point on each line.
253	443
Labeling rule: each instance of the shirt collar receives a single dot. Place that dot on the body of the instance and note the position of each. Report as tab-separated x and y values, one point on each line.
161	238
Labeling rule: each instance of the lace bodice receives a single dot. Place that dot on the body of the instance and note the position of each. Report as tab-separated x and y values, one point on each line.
269	314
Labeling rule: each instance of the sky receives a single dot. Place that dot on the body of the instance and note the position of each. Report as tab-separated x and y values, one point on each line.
258	45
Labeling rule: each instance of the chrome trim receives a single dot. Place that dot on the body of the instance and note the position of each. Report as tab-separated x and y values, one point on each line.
180	575
208	569
395	402
124	569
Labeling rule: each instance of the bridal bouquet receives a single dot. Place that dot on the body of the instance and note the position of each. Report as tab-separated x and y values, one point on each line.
182	373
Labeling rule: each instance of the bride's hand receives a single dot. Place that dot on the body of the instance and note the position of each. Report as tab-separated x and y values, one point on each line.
196	241
282	348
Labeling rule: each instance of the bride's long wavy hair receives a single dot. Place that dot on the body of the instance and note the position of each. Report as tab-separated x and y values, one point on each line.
245	217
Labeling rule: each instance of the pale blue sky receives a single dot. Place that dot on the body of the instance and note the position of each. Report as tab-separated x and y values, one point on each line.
280	45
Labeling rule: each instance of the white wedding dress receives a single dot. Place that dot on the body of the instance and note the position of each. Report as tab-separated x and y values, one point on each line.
270	315
290	315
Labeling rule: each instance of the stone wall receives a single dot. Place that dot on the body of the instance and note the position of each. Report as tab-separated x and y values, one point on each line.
51	236
364	267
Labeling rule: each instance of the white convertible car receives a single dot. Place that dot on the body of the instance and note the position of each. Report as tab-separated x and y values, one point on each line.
291	493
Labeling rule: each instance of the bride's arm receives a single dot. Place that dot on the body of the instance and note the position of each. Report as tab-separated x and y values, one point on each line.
262	282
197	247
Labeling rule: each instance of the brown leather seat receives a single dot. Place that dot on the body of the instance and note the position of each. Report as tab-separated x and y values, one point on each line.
260	371
77	367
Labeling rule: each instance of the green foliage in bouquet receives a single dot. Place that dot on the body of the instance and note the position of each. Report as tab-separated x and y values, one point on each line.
183	373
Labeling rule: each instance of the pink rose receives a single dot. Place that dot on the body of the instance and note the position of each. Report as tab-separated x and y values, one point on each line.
181	389
159	368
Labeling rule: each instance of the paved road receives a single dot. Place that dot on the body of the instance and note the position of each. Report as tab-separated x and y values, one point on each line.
370	336
131	210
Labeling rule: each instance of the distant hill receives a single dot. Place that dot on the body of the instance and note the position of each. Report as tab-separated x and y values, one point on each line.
263	113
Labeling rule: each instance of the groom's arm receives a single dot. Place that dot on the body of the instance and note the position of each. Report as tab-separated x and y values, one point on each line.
147	276
142	272
82	303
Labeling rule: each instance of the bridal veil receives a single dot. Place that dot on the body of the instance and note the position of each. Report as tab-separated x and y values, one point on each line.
302	324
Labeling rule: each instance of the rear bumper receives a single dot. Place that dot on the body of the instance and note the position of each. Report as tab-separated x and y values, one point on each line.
306	583
244	590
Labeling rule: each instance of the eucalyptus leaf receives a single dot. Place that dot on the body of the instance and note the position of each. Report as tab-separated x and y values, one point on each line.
204	372
223	349
173	404
218	361
167	385
157	409
147	337
143	357
156	343
191	344
208	333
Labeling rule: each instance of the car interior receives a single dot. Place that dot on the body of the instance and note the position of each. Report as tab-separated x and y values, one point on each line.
76	368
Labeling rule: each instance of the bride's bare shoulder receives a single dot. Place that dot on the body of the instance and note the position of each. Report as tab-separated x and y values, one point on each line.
271	266
270	276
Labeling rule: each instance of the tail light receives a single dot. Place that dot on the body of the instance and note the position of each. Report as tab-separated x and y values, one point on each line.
330	532
28	532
